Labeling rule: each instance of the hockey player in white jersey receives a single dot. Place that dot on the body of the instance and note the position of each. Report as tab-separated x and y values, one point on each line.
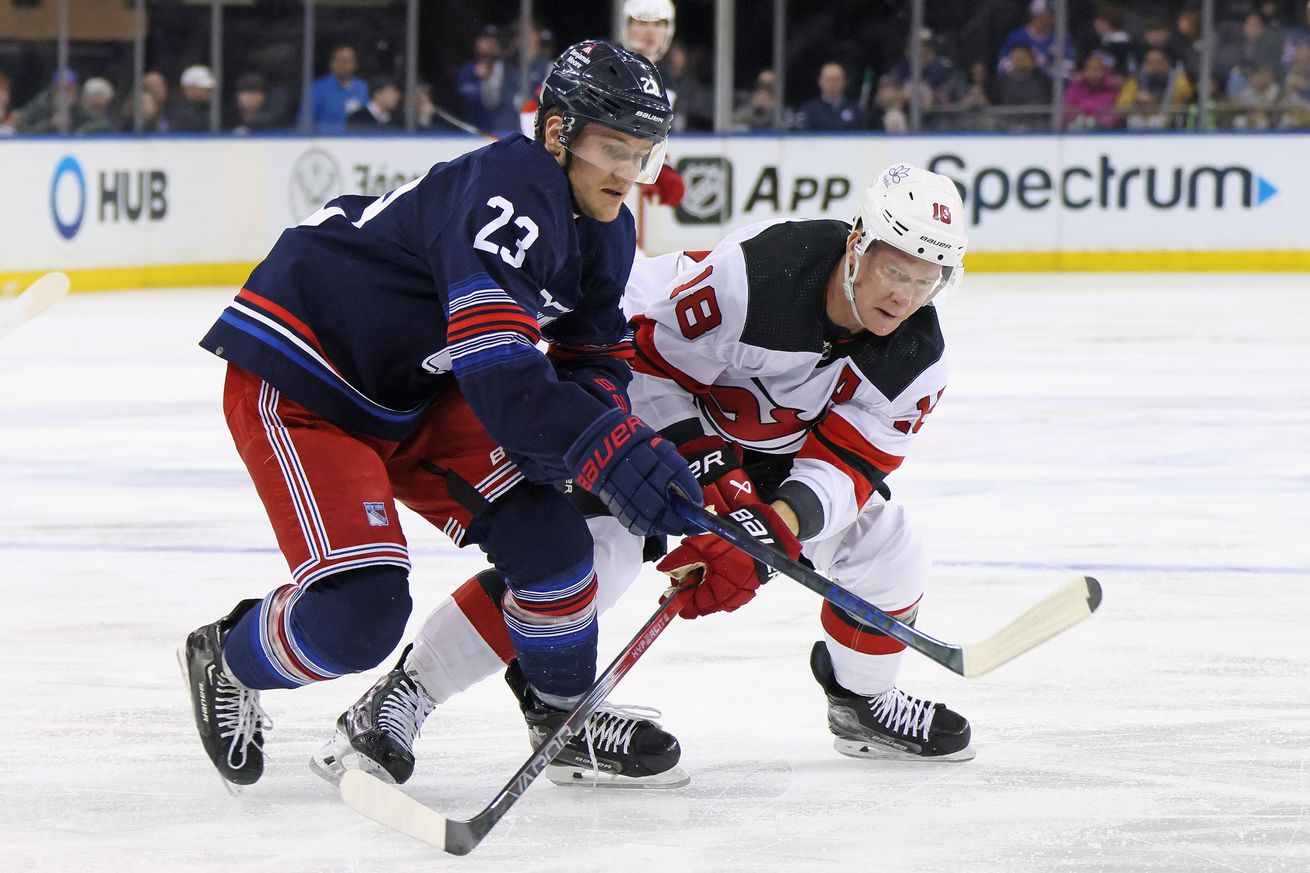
648	27
793	365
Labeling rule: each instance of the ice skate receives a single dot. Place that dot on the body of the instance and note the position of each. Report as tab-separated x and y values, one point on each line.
229	718
620	747
377	734
891	725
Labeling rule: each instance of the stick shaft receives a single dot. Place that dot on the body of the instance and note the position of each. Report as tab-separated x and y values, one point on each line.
949	656
1062	609
387	805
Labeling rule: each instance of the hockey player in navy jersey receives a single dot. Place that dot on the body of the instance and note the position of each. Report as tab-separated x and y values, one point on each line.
386	350
793	365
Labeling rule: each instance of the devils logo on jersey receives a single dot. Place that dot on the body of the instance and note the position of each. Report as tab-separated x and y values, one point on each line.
738	414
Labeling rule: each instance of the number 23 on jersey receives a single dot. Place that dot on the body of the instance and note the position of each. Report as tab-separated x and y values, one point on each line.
482	241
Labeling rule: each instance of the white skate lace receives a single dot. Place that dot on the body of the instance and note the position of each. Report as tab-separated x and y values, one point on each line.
611	729
239	717
902	713
403	712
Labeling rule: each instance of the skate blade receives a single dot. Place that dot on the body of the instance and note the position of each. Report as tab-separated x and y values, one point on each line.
577	777
877	751
332	761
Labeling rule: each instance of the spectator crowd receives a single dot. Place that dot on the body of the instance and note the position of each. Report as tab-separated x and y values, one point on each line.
1126	67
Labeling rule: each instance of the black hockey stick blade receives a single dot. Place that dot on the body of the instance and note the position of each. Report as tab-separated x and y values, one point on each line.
1066	606
387	805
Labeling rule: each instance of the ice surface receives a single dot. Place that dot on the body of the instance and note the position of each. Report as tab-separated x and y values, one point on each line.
1151	430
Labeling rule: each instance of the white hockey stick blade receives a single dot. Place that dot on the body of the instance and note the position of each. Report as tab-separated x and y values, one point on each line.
1062	609
39	296
388	805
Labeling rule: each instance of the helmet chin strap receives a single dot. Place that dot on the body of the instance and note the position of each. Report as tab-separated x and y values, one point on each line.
851	270
568	179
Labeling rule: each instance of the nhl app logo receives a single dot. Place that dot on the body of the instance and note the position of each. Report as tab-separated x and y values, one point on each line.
709	190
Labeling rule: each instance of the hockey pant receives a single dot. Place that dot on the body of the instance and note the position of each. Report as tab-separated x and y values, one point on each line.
879	557
331	497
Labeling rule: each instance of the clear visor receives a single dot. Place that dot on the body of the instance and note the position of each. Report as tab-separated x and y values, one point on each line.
951	277
626	156
910	280
923	291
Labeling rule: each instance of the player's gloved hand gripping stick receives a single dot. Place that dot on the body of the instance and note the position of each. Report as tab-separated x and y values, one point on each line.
1066	606
729	577
632	469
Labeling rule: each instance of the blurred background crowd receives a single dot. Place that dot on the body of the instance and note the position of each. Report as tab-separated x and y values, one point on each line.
154	66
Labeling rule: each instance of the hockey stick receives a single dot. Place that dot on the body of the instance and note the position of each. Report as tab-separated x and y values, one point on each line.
388	805
39	296
1063	608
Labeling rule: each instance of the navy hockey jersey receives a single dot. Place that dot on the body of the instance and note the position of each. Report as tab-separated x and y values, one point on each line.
374	306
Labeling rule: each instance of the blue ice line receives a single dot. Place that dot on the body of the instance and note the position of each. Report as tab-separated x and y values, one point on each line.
183	549
1128	568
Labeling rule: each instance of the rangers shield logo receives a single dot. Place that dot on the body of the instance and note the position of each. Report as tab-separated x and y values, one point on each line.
377	514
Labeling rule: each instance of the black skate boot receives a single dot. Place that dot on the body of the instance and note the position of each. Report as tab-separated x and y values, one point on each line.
889	725
229	718
377	734
620	747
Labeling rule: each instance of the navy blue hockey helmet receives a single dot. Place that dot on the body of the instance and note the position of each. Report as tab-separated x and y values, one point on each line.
599	82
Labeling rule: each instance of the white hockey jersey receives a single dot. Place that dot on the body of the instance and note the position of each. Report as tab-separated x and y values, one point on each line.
738	340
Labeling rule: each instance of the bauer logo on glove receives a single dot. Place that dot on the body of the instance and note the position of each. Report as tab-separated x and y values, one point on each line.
707	465
729	576
756	527
634	472
601	456
717	466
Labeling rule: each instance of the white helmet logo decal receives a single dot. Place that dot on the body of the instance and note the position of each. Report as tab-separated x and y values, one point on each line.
650	86
895	175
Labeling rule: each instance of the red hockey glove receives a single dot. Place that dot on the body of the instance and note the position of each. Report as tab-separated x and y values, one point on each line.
716	465
668	187
729	576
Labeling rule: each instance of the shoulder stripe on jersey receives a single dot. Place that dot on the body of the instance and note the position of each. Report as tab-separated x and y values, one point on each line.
470	283
297	352
314	352
487	326
491	318
836	442
650	362
282	315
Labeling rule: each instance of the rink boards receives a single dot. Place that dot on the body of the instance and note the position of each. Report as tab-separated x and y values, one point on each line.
126	212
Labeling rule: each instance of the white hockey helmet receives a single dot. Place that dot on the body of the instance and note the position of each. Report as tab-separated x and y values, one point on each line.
649	10
918	212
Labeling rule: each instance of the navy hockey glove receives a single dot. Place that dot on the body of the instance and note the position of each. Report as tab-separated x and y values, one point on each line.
628	466
729	576
717	466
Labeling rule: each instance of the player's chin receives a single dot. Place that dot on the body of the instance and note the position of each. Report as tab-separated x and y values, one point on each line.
607	203
882	322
